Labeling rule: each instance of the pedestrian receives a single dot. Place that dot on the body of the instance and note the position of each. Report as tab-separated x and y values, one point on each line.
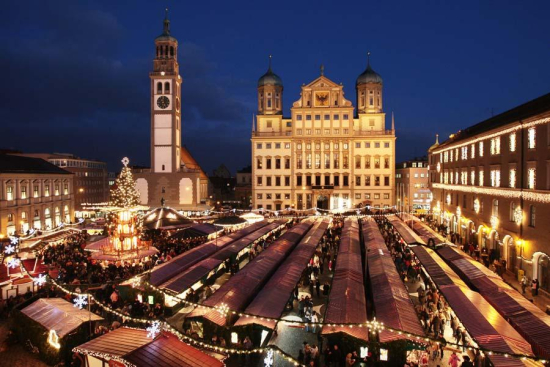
534	287
454	360
318	287
314	320
524	281
467	362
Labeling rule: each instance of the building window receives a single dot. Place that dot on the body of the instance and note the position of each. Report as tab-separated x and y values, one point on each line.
473	151
481	149
377	196
481	178
473	178
287	180
367	144
47	190
298	180
464	153
513	178
298	131
367	180
299	117
357	180
367	196
277	163
377	145
9	193
277	145
376	180
258	145
345	160
386	145
512	142
258	163
308	160
512	210
259	196
357	144
495	145
299	161
531	138
376	162
287	163
267	145
318	160
357	162
531	178
277	181
346	180
336	160
532	214
308	117
66	189
268	181
268	163
287	145
337	180
494	213
495	178
23	192
386	163
387	181
259	180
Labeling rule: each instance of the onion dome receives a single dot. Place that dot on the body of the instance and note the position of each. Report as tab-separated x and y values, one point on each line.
369	75
165	36
270	78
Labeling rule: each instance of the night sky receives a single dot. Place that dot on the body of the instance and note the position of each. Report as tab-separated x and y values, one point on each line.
75	74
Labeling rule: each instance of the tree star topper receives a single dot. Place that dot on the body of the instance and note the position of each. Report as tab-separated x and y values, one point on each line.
125	161
80	302
153	330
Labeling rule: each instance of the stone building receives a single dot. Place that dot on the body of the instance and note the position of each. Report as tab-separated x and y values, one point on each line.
411	186
33	194
174	175
326	154
491	185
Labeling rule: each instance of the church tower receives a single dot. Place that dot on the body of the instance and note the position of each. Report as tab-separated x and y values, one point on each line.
369	90
270	93
165	104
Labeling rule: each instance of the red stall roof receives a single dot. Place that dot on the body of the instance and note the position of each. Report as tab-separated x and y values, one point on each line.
405	231
182	262
244	285
488	328
530	321
347	302
274	296
392	303
187	278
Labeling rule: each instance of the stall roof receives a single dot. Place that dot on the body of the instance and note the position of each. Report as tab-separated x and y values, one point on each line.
193	274
163	217
132	347
488	328
242	287
347	302
392	303
426	233
530	321
58	314
274	296
182	262
405	231
196	230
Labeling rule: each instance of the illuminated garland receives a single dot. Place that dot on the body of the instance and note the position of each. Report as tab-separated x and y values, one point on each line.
494	135
507	193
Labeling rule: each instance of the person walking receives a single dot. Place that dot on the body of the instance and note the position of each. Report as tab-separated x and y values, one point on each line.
523	283
454	360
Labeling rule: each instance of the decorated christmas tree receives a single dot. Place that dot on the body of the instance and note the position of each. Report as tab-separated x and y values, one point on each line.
124	193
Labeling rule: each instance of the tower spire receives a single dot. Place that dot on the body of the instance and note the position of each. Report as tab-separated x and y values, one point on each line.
322	69
368	58
166	23
252	122
437	138
270	57
392	121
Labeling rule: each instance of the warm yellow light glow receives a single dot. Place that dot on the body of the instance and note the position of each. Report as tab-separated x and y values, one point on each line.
53	339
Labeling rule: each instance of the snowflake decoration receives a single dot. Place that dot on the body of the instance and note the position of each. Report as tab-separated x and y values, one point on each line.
10	249
125	161
153	330
13	263
80	302
14	240
41	280
80	220
268	360
31	231
61	225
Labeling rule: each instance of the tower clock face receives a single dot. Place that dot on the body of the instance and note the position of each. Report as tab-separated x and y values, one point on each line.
163	102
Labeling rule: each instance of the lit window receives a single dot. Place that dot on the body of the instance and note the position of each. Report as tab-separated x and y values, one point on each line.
495	178
23	192
495	145
531	138
9	193
513	178
259	146
513	142
531	178
481	149
473	151
481	178
464	153
473	177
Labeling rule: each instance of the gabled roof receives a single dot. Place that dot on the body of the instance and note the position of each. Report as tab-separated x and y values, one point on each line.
190	162
17	164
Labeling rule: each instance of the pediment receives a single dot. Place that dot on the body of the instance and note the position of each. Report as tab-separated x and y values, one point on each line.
322	82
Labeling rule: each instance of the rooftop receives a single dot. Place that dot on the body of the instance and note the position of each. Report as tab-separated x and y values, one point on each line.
17	164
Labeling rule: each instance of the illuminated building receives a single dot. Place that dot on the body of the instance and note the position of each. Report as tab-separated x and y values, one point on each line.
174	177
324	155
491	184
34	194
411	186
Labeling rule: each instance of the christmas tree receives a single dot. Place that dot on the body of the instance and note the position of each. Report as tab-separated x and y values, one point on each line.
124	193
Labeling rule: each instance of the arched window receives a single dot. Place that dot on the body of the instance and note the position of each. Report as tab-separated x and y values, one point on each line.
47	213
512	209
10	217
495	208
532	215
163	167
159	88
23	215
171	50
157	51
161	50
167	87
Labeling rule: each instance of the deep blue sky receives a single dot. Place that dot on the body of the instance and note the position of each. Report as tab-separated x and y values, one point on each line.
75	74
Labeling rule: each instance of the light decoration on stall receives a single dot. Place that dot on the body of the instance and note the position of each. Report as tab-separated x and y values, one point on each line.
494	221
507	193
13	263
153	330
80	301
438	167
53	339
41	280
268	360
10	249
222	309
458	212
448	200
518	215
437	207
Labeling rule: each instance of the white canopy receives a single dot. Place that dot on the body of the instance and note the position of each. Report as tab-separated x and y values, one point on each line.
58	314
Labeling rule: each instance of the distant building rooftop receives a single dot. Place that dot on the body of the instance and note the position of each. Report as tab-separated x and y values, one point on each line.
17	164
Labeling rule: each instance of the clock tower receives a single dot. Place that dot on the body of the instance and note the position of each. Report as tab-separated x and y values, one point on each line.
165	104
